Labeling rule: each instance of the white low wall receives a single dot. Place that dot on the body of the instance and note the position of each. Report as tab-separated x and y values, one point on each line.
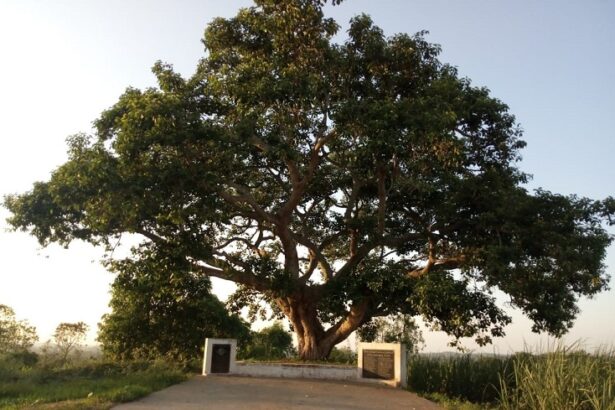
307	371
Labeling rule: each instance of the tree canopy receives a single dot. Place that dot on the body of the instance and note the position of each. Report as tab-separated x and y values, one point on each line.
337	182
159	313
16	336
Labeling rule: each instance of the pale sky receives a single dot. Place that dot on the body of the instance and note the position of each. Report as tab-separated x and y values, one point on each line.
63	62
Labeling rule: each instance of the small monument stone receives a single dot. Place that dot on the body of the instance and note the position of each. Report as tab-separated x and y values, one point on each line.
383	363
219	357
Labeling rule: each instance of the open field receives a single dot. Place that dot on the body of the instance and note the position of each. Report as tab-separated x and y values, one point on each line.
564	378
85	385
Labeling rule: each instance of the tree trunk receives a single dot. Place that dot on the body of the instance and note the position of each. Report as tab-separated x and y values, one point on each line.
313	348
314	342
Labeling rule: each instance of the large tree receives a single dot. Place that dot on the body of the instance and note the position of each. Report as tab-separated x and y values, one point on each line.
338	182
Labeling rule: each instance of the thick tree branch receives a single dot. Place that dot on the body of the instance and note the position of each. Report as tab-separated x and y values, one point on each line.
289	246
352	199
246	197
357	315
382	201
301	182
317	251
232	240
452	262
448	263
311	268
354	260
227	272
151	236
365	249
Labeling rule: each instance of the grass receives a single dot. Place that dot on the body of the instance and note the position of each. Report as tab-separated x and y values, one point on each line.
565	377
449	403
86	385
463	378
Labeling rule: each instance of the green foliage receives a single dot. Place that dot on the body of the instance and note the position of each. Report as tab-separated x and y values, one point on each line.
270	343
24	357
336	181
163	314
16	336
393	329
342	355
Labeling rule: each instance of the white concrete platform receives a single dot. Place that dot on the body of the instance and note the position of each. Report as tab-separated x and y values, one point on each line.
296	371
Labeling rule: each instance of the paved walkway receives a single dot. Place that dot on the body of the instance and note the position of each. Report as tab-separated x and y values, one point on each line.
233	392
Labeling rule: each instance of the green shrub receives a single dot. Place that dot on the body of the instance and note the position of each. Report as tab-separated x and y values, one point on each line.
10	369
270	343
343	355
25	357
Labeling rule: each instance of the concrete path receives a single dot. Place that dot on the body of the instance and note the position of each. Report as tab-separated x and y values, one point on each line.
234	392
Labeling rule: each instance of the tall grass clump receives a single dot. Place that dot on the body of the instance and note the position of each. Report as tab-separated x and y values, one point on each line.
565	378
466	377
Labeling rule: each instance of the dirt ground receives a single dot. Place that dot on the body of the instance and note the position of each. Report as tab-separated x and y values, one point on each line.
234	392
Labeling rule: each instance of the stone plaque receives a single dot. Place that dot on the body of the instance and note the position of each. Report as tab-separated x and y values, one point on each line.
379	364
220	358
